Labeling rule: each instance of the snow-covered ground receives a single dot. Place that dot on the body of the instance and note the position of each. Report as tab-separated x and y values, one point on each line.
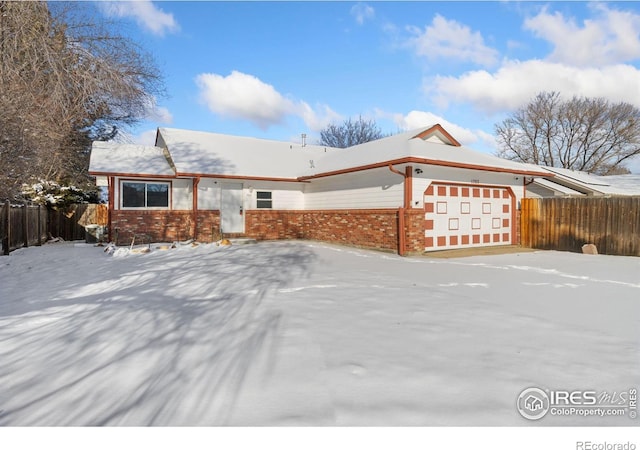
301	333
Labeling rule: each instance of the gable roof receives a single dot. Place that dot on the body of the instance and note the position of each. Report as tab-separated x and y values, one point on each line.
196	153
128	159
429	145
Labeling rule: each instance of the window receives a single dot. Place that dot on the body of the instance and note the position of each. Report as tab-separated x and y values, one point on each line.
264	200
145	195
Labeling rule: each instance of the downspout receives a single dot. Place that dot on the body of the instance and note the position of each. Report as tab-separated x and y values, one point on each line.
408	181
196	181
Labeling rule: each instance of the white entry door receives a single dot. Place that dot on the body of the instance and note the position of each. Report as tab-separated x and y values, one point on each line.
231	208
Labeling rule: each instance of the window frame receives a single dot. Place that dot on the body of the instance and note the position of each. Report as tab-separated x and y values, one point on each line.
146	183
264	201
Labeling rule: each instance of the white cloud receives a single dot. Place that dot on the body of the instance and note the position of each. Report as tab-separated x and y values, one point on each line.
317	120
242	96
587	59
156	113
610	37
147	137
362	12
161	115
146	14
515	83
449	39
246	97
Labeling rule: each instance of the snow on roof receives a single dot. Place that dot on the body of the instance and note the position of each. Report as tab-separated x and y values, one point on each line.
609	185
418	145
629	183
111	157
581	177
203	153
193	153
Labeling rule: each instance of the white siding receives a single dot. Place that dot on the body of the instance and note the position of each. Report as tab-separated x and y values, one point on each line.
377	188
182	194
288	199
285	196
450	174
208	194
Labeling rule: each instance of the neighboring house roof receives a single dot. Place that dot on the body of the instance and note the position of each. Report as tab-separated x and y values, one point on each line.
629	182
128	159
197	153
587	184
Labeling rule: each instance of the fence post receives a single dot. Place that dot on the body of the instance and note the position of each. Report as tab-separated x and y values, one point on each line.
39	226
6	239
25	225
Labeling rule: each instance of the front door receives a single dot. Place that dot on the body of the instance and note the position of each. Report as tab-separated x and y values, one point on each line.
231	208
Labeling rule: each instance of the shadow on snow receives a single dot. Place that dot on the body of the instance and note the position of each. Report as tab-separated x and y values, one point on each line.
166	338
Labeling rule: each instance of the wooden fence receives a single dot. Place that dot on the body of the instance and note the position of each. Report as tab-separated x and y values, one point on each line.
612	224
25	225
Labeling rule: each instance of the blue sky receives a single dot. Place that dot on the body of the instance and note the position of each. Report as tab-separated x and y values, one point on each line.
278	69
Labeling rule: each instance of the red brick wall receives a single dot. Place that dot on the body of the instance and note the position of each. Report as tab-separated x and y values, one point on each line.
208	226
163	226
414	231
370	228
269	224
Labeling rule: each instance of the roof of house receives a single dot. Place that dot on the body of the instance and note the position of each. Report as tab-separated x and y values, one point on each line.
128	159
197	153
428	145
203	153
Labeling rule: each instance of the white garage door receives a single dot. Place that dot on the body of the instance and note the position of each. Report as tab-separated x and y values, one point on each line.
460	215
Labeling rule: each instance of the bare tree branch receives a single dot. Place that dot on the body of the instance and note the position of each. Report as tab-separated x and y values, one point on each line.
350	133
65	79
586	134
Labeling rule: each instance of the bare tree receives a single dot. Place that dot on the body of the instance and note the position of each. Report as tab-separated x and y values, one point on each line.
586	134
350	133
66	78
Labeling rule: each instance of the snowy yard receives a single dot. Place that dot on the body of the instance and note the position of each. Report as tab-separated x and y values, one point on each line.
300	333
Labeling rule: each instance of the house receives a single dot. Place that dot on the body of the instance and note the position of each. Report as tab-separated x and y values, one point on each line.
411	192
573	183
